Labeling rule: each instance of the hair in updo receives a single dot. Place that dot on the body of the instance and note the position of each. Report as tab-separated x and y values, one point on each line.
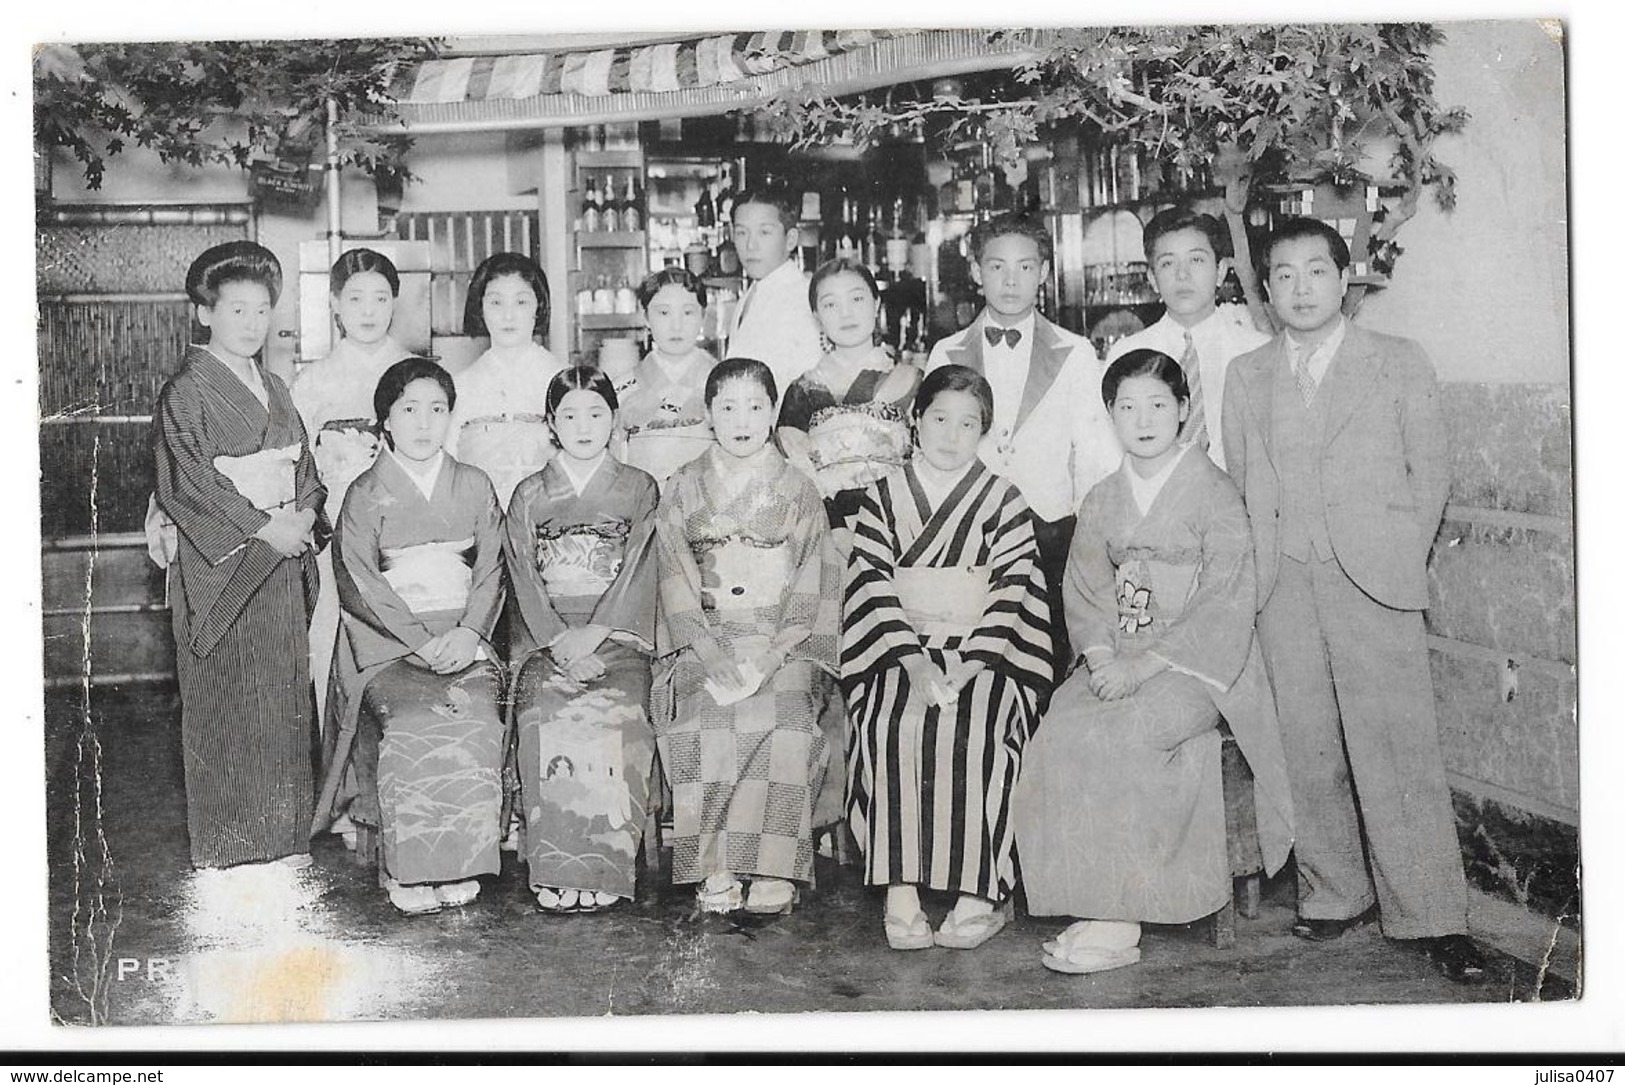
358	261
955	378
393	384
741	369
232	262
1145	363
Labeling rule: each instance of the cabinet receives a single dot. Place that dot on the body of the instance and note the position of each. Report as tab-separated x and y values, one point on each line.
608	259
690	200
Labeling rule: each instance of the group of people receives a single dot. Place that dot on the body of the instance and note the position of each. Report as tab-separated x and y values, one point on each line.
997	616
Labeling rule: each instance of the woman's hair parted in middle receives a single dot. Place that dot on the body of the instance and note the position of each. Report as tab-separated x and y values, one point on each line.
579	378
1144	363
955	378
840	265
392	385
494	267
741	369
356	261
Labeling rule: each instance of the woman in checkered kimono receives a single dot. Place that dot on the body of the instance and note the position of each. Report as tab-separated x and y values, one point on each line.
747	640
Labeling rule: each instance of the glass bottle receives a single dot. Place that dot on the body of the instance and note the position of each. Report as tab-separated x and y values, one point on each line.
592	210
610	217
705	209
632	208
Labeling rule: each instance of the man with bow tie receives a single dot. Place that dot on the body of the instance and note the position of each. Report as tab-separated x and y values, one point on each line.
1051	435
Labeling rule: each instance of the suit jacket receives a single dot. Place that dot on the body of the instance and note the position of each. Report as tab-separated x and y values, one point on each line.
1384	474
1063	441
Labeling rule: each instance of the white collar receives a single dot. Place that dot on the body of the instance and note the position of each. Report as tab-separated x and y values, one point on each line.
1327	346
424	476
579	474
1145	490
1025	326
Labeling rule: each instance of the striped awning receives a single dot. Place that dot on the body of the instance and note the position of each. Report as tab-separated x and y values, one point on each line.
668	66
711	74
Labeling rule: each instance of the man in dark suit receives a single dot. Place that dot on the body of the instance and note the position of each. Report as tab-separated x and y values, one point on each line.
1333	435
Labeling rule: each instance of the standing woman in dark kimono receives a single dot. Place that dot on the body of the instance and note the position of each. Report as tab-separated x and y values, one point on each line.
945	656
417	691
583	575
236	476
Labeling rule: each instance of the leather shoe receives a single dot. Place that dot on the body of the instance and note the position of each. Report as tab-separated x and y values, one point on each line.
1456	957
1330	930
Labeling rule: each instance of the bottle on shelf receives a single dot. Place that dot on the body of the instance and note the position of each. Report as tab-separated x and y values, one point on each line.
626	300
705	209
727	262
584	299
725	195
610	216
631	207
603	298
592	209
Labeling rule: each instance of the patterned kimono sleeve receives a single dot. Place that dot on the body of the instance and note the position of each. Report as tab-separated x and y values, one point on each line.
1211	638
518	549
809	627
1012	635
681	623
627	607
1089	585
364	594
485	590
204	504
875	629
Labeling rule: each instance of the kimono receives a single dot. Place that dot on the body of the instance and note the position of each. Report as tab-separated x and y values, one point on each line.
743	571
928	786
240	609
662	419
426	749
856	439
499	424
334	399
585	751
1120	811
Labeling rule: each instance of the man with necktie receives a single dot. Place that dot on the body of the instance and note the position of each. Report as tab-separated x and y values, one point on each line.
1051	435
1333	435
1183	249
773	322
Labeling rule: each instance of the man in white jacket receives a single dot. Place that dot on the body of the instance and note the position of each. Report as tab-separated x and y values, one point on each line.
773	322
1051	435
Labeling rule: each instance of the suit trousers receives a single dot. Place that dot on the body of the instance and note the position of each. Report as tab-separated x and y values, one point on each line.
1355	695
1054	538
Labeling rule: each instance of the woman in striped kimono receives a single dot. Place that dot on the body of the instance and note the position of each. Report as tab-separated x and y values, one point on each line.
583	577
945	659
416	701
747	642
500	424
236	476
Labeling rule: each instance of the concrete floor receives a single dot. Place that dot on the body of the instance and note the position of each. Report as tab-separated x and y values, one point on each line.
138	938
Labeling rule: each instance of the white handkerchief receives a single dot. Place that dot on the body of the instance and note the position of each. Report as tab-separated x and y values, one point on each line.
725	695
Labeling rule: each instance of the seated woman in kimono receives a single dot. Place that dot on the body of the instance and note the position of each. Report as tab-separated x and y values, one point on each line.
580	562
500	424
239	490
1119	814
661	420
945	657
746	645
845	421
416	700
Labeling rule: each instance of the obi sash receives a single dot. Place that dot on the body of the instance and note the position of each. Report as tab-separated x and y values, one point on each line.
743	574
432	576
853	446
1151	592
344	448
661	450
582	560
508	447
947	602
264	477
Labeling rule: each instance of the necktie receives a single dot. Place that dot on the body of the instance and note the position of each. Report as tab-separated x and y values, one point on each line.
1301	353
1011	336
744	307
1196	424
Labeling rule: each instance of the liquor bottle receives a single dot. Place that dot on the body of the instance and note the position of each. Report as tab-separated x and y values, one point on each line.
705	209
603	298
985	184
592	210
964	188
626	300
727	253
610	216
632	207
725	196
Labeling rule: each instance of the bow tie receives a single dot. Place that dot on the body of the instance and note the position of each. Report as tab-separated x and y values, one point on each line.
1011	336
